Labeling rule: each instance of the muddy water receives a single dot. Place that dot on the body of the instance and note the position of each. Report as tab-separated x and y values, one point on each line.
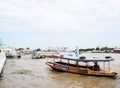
34	73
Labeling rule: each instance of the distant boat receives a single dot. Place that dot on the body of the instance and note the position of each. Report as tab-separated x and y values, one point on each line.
11	54
73	64
36	55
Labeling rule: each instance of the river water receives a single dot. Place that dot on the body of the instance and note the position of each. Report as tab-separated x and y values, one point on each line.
34	73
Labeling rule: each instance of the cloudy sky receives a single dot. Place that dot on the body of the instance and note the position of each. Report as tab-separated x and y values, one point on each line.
71	23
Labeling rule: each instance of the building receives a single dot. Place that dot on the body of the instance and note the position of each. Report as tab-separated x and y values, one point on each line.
116	50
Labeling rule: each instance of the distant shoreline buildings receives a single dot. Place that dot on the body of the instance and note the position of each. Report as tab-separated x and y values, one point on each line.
66	49
3	47
101	50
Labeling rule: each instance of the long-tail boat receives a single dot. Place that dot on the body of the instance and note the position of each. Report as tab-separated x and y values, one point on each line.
80	65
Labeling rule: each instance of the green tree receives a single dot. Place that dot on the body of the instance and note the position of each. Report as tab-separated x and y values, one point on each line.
97	48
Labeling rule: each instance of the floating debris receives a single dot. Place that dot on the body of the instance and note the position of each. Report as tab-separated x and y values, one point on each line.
22	72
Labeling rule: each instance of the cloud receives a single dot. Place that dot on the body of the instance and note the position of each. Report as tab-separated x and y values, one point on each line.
80	15
60	22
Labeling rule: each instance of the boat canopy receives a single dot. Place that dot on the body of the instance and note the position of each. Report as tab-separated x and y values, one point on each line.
84	59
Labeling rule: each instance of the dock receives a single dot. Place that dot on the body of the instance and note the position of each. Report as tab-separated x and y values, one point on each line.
2	61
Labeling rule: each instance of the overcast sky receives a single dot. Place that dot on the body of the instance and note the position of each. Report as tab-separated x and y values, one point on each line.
70	23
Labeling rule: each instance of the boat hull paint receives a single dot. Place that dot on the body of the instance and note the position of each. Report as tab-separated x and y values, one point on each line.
81	71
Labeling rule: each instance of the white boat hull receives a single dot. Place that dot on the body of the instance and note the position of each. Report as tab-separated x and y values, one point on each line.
2	61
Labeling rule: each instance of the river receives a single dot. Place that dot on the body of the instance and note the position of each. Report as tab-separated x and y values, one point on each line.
34	73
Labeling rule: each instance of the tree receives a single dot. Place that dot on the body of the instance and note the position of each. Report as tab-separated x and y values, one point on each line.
97	48
20	49
27	48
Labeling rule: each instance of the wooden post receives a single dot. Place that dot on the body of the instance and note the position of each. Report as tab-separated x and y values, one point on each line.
77	63
87	65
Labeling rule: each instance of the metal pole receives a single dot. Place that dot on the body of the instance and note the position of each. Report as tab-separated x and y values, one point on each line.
53	59
60	60
77	51
68	62
108	65
104	65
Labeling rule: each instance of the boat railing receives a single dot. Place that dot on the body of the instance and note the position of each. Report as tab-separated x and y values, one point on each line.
73	65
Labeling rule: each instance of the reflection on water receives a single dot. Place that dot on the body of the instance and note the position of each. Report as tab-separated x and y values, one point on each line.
34	73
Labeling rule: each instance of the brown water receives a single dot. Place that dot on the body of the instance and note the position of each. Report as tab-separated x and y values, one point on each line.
34	73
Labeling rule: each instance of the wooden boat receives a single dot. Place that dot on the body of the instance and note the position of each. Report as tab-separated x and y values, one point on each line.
72	65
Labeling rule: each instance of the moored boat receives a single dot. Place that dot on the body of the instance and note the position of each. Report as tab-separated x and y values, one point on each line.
2	60
36	54
2	56
80	65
